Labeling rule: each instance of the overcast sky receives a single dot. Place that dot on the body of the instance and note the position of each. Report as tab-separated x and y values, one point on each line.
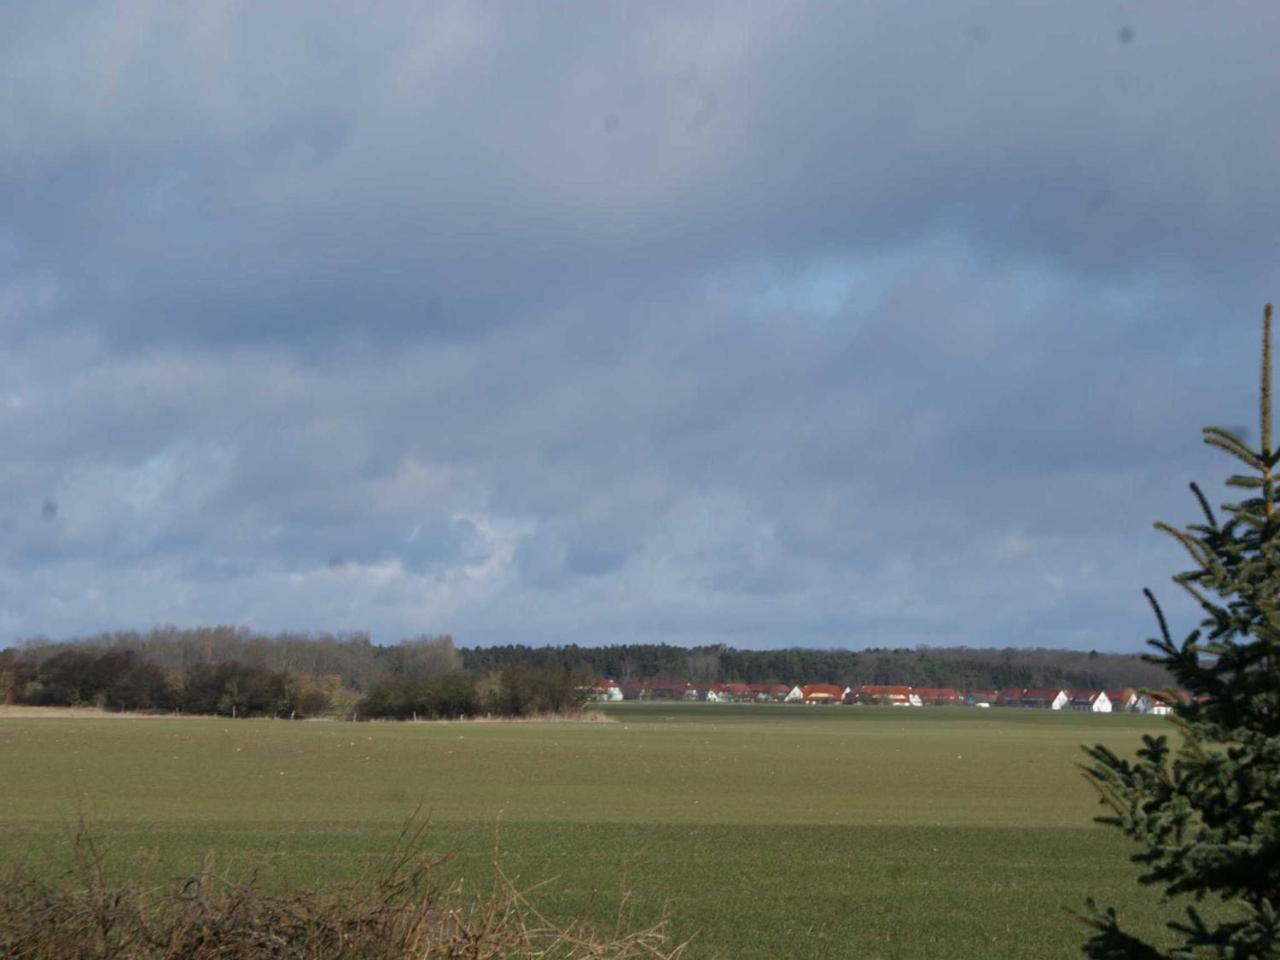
865	324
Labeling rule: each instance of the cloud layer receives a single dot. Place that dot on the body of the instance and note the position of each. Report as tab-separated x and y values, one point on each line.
766	325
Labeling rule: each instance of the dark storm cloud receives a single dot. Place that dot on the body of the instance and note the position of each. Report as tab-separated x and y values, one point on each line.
264	174
774	325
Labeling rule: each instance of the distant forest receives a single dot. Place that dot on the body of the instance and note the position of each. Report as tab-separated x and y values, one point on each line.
235	671
963	668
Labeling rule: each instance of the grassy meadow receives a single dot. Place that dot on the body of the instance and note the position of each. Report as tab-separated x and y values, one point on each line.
760	831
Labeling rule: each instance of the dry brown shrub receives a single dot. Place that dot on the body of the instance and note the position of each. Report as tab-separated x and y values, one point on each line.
400	912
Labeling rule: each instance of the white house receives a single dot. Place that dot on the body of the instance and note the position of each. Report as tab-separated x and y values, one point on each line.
893	696
795	696
611	691
1049	698
1091	701
1145	703
1124	700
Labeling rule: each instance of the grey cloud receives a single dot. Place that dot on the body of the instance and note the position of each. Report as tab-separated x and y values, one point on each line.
448	170
789	324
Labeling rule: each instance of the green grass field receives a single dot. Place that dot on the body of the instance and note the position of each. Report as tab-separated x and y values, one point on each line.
762	831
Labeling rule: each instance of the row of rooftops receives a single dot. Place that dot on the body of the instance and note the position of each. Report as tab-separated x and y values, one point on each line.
685	690
1122	699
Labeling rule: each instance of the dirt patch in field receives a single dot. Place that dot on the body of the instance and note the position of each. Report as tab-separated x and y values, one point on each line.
77	713
95	713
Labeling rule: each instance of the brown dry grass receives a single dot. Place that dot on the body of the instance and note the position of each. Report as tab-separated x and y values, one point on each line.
398	913
18	712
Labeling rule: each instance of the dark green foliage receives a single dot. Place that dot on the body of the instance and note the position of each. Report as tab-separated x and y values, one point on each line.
234	689
68	678
526	691
448	697
415	678
354	658
17	674
120	679
1206	814
115	679
230	670
139	686
514	691
354	663
216	670
959	667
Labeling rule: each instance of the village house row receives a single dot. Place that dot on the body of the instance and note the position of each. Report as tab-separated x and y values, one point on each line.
1126	700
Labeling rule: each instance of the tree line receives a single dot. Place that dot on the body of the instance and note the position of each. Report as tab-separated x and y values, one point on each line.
232	672
353	657
963	668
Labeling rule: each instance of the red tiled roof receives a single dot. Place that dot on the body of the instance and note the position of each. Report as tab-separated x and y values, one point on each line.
1085	696
937	693
1043	693
881	690
1178	696
668	685
822	691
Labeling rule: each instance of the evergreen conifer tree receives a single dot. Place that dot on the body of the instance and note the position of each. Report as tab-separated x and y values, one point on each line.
1206	814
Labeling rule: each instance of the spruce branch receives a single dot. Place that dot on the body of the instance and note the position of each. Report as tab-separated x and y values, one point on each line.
1204	505
1265	401
1155	606
1200	552
1233	445
1266	381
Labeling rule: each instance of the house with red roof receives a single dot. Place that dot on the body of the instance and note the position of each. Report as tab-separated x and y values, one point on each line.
709	692
1045	698
1124	700
887	695
768	691
606	689
1009	697
816	693
672	690
1090	701
938	696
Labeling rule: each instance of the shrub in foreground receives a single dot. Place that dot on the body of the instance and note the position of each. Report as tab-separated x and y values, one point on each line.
402	913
